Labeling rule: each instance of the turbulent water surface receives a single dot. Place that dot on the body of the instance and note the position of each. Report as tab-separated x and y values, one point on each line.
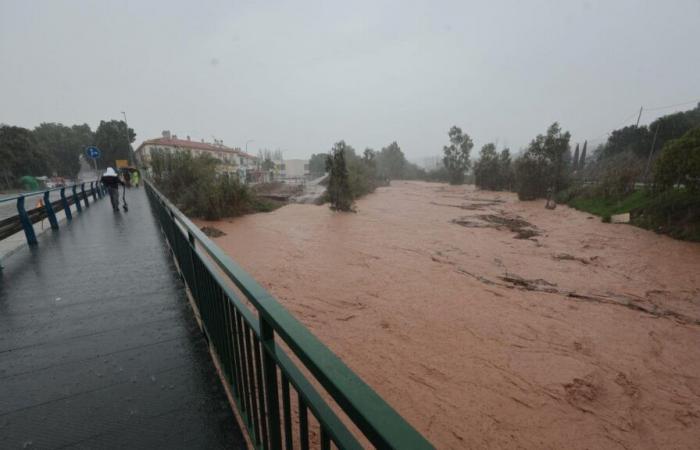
493	323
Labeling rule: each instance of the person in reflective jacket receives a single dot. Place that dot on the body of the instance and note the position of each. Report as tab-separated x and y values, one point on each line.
112	181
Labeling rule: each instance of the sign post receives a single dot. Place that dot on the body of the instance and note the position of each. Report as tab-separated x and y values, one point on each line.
93	153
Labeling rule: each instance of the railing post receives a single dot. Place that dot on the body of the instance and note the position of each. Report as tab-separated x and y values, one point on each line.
26	223
92	189
76	199
66	206
85	197
267	338
49	211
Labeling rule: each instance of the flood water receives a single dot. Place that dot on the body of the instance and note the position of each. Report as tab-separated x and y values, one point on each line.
492	323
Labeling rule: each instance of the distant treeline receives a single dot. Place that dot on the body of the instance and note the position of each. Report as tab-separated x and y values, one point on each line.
53	149
353	175
651	171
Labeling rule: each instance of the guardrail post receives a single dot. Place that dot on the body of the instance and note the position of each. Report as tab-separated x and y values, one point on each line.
85	197
267	335
49	211
76	199
66	206
92	189
26	223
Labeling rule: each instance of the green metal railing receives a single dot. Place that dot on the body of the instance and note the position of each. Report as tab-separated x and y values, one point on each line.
261	374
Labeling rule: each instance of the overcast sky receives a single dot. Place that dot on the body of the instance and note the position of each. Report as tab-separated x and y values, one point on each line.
301	75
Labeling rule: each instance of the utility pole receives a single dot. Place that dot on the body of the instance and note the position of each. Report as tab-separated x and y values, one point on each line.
639	116
651	152
128	140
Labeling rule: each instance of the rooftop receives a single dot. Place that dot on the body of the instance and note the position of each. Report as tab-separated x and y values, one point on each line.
189	144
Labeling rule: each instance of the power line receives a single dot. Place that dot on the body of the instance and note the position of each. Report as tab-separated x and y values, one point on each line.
656	108
672	106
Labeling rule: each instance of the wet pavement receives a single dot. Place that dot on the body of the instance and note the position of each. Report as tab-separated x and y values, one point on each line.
98	346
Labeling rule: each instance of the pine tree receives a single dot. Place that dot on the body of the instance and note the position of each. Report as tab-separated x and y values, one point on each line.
582	160
574	163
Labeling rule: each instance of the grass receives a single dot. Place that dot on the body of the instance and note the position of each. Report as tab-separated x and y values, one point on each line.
608	207
675	212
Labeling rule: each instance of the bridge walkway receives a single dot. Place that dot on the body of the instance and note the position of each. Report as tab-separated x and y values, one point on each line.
98	345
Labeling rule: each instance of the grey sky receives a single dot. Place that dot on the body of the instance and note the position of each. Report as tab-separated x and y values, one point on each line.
301	75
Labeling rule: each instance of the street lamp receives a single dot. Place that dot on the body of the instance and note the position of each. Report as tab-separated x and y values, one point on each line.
128	141
246	144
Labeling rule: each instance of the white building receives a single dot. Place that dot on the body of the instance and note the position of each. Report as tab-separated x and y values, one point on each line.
296	168
234	161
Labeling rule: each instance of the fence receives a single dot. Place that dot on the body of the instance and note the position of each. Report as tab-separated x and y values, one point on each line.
24	219
250	344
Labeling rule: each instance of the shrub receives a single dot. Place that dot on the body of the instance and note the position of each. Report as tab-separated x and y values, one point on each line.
679	163
193	184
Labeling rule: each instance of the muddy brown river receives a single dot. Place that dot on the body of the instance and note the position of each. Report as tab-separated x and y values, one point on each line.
493	323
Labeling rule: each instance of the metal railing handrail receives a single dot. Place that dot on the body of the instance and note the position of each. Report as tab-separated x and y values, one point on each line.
42	191
378	421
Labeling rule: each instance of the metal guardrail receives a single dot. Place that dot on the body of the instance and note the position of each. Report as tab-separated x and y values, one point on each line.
25	219
248	344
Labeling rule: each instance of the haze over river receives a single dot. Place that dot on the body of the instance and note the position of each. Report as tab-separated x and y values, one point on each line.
493	323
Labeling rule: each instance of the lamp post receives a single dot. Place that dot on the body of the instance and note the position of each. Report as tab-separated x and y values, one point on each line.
128	141
246	144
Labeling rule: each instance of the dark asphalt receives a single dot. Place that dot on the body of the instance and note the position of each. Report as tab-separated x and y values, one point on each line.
98	346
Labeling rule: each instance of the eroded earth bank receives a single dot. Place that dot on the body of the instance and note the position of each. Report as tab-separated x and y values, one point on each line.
493	323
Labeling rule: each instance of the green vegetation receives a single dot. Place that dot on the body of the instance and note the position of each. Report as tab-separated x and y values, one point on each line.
602	206
675	212
340	193
193	185
111	139
679	163
494	171
351	176
671	204
545	165
456	155
53	149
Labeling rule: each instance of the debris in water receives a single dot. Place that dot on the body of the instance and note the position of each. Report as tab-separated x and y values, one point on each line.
213	232
568	257
522	228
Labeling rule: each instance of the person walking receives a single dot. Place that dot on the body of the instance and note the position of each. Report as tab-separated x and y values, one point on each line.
112	181
135	178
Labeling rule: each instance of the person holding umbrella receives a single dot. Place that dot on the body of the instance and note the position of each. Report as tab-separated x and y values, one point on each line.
112	181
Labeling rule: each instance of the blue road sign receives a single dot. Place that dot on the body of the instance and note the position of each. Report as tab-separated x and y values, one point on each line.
93	152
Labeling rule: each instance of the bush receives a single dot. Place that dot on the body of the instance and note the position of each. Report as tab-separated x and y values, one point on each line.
675	212
193	185
679	163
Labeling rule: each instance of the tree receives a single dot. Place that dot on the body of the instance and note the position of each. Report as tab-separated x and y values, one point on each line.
265	160
505	168
486	169
317	164
544	165
582	159
339	191
391	161
64	145
111	139
456	155
679	163
20	155
574	163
